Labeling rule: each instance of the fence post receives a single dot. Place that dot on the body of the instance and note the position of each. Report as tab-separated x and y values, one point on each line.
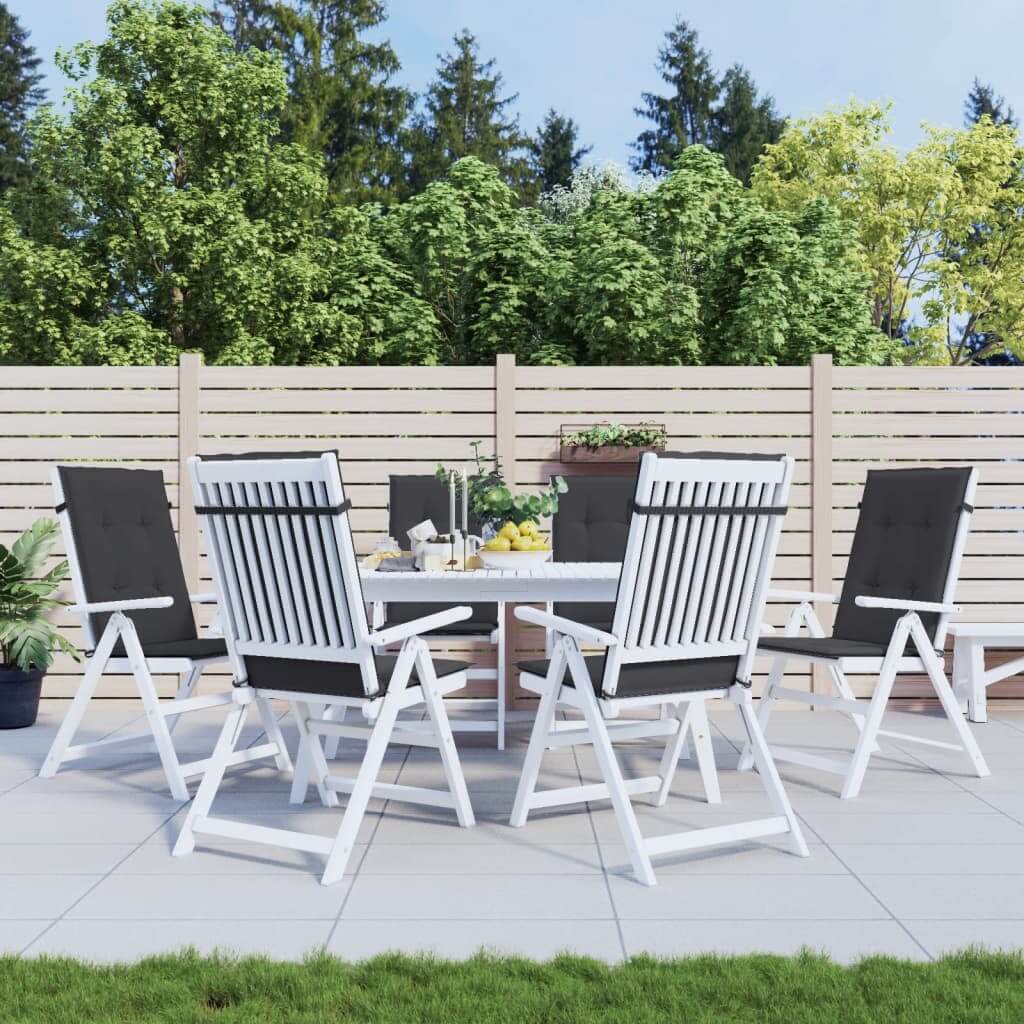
189	366
505	450
821	497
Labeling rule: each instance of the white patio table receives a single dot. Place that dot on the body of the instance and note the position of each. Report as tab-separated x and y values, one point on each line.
970	677
551	581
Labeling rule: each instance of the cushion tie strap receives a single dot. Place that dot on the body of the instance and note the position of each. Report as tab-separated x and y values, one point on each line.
286	510
63	505
709	510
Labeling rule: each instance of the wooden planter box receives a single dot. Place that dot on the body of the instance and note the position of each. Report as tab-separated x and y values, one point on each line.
607	453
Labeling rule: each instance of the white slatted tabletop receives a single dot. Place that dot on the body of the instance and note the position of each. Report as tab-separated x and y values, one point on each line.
553	581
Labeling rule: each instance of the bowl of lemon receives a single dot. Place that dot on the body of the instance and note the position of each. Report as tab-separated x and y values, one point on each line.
516	546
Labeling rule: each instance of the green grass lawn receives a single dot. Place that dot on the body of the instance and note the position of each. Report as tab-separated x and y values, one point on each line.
968	987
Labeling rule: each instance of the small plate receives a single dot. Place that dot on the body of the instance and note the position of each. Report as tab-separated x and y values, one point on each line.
512	559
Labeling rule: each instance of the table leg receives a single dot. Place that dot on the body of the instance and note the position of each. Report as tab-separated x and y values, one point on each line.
960	683
977	710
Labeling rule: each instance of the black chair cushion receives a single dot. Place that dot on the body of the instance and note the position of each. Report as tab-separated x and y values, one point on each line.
330	678
201	647
591	525
654	678
830	647
126	548
412	500
902	547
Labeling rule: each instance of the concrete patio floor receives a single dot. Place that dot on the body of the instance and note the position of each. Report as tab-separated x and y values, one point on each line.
929	859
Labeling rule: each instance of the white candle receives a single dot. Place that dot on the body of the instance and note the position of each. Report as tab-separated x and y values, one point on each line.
451	503
465	502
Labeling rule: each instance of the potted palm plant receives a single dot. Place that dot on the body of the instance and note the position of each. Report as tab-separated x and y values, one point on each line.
28	640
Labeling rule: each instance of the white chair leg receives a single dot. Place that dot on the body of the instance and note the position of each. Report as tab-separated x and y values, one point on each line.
309	762
230	731
538	738
333	713
86	688
876	710
186	687
443	730
610	770
272	729
769	773
702	745
151	704
362	789
764	712
673	751
977	697
936	673
502	711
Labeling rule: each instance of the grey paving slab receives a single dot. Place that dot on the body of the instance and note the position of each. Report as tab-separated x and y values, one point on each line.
843	941
474	897
16	935
536	939
42	896
127	941
299	896
401	825
964	895
81	826
932	858
61	858
839	827
228	858
943	937
423	859
770	858
767	897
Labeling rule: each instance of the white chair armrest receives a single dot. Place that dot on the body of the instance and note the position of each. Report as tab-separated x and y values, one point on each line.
585	634
415	627
94	607
208	598
802	595
909	606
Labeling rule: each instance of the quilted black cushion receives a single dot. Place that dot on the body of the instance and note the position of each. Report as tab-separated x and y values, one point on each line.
334	679
591	525
412	500
902	547
654	678
822	647
126	549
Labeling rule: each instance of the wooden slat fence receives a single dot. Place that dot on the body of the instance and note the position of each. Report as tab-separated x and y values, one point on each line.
836	422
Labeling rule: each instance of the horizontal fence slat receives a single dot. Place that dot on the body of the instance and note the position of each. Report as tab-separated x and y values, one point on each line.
444	377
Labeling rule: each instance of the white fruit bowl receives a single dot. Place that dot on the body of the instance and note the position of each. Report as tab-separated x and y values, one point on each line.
512	559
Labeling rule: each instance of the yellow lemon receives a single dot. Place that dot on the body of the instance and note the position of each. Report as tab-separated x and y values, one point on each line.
528	528
541	544
498	544
522	544
509	530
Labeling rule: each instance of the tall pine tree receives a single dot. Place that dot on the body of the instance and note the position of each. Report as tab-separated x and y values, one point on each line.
725	114
20	91
744	123
554	151
466	115
343	101
982	100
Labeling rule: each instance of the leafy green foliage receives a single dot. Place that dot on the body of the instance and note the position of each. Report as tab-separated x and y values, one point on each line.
628	435
491	500
554	153
27	639
982	101
19	93
937	231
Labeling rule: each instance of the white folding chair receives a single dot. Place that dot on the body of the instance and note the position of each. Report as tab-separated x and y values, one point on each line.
295	622
892	615
134	605
702	539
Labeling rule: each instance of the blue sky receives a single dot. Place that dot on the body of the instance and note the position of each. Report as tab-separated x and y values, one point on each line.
592	58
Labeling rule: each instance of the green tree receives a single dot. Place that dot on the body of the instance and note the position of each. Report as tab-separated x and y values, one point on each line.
744	123
554	151
937	230
343	102
466	115
982	101
156	223
19	93
686	117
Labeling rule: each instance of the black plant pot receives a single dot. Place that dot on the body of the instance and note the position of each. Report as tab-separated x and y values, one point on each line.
19	697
